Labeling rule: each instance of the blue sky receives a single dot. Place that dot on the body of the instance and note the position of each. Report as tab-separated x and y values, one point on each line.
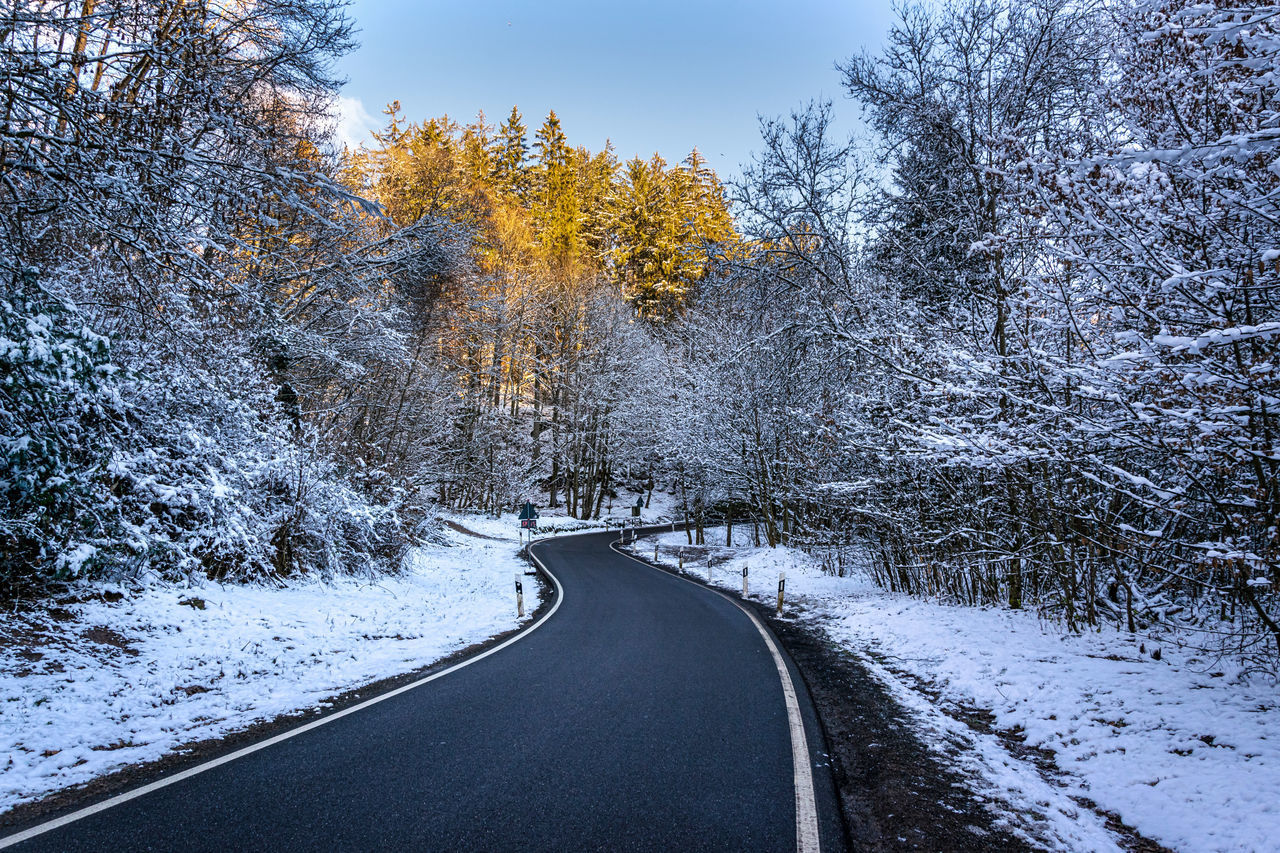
660	76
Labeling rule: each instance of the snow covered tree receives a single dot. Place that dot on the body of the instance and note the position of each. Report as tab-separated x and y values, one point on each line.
1166	282
167	172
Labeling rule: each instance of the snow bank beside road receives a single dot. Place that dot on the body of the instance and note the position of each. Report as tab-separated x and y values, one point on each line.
1172	747
100	685
1175	747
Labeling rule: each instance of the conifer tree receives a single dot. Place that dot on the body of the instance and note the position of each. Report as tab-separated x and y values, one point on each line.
555	207
644	227
596	177
510	155
707	211
664	222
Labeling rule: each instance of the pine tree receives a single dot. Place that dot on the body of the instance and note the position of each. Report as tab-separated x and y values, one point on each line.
664	222
552	145
644	228
596	177
511	151
555	207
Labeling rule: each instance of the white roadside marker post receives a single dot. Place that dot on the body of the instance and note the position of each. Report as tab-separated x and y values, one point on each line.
708	569
519	598
681	566
744	581
655	552
782	584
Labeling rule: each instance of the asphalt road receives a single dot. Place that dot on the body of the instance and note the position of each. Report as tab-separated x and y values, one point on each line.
645	714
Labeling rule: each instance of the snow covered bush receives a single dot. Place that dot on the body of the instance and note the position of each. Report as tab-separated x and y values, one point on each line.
59	411
165	468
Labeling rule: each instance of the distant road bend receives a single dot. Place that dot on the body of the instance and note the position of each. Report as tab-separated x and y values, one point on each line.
642	713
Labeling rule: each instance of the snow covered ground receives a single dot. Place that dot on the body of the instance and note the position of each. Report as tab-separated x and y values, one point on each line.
662	507
1179	748
98	685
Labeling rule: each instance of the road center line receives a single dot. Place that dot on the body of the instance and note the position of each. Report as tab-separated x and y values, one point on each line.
807	837
120	799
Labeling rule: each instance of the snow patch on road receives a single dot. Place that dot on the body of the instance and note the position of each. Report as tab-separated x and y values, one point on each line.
1183	749
95	686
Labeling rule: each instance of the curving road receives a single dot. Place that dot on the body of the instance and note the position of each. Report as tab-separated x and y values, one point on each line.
646	713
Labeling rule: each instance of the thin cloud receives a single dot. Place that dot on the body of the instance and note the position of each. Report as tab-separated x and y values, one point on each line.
352	122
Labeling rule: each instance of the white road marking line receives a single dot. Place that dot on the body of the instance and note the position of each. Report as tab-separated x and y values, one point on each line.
807	836
119	799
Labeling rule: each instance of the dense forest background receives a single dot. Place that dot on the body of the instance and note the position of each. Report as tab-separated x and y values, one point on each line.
1016	343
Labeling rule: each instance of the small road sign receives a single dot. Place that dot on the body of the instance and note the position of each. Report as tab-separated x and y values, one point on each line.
528	511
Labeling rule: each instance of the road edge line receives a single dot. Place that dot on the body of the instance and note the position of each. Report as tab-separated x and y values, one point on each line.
807	834
121	799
